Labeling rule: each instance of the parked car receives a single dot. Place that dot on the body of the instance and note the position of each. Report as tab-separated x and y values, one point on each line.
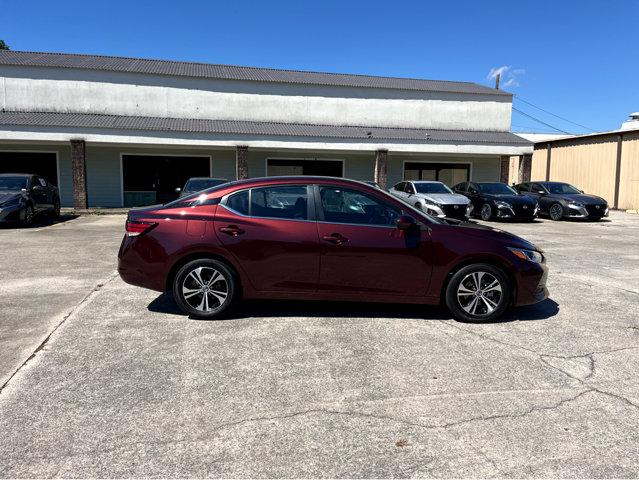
24	196
561	200
434	198
497	200
327	239
197	184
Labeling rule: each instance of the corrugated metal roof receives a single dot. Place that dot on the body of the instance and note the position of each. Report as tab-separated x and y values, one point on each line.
244	128
230	72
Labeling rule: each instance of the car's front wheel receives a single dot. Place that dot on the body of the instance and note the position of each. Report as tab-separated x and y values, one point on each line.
556	212
486	212
205	288
55	213
478	293
29	215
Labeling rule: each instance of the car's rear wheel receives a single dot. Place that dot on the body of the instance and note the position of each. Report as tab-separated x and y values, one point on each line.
556	212
486	212
478	293
205	288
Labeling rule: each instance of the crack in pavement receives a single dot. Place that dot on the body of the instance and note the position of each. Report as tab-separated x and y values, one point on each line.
543	357
88	298
325	411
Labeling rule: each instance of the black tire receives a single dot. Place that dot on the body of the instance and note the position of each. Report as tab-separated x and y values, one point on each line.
29	215
55	213
489	305
486	212
556	212
215	305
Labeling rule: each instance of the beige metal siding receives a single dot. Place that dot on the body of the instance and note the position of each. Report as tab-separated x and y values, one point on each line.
588	163
538	168
629	178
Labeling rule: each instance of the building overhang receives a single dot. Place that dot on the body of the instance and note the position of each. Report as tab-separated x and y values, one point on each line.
145	131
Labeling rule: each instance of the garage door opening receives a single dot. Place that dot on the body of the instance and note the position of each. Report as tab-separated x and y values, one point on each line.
151	179
323	168
44	164
447	173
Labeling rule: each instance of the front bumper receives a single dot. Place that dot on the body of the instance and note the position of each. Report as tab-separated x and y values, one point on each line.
14	213
532	284
440	211
517	213
587	211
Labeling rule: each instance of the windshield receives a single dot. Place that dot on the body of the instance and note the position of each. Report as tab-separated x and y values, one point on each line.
561	188
13	183
195	185
496	189
432	188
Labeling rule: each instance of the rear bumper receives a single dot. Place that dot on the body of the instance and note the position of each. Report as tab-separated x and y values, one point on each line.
135	267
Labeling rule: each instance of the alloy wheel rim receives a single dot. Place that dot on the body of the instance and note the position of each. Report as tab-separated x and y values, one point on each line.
479	293
28	215
555	211
205	289
485	211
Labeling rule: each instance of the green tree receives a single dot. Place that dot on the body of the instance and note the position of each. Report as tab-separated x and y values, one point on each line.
4	46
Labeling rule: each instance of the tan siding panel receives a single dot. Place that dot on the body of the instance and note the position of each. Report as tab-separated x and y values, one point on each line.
538	168
587	163
629	184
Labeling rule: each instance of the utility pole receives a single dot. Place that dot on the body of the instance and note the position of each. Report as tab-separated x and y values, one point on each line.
497	77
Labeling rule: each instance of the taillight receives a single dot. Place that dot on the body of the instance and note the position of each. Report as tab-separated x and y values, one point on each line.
135	228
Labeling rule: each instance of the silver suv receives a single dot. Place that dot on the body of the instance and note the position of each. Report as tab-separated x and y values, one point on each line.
434	198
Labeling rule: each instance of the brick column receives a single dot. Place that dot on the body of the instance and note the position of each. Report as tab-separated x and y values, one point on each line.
241	162
504	168
79	173
381	169
525	167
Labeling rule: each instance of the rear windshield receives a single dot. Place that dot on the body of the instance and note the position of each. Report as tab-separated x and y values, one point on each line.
432	188
198	198
496	189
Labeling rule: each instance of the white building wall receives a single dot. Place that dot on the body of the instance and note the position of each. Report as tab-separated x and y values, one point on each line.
116	93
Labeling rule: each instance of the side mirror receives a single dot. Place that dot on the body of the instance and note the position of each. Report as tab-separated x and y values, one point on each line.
404	222
178	190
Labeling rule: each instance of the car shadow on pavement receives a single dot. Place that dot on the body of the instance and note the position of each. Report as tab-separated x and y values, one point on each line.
164	303
39	222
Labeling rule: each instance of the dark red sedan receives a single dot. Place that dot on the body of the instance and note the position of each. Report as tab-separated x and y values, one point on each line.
324	238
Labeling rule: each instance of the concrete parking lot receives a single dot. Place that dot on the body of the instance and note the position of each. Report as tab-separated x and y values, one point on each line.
101	379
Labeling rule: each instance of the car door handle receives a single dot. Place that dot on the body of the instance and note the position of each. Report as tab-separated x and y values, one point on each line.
232	230
335	239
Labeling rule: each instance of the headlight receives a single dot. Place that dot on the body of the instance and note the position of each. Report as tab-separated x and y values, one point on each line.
434	204
572	203
501	204
530	255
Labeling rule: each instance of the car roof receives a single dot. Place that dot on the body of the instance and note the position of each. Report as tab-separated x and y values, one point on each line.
206	178
423	181
16	174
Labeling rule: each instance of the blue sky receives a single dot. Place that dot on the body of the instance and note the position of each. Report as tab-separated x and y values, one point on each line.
578	60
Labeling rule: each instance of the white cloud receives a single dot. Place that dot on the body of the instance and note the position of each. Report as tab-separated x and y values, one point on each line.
509	76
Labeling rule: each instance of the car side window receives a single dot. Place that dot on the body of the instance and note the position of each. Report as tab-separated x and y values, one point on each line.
399	187
342	205
523	187
460	187
289	202
239	202
535	187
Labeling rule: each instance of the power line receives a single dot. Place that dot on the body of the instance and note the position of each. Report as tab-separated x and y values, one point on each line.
550	113
539	121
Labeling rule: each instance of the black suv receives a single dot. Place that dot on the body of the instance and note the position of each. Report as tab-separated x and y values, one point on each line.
561	200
